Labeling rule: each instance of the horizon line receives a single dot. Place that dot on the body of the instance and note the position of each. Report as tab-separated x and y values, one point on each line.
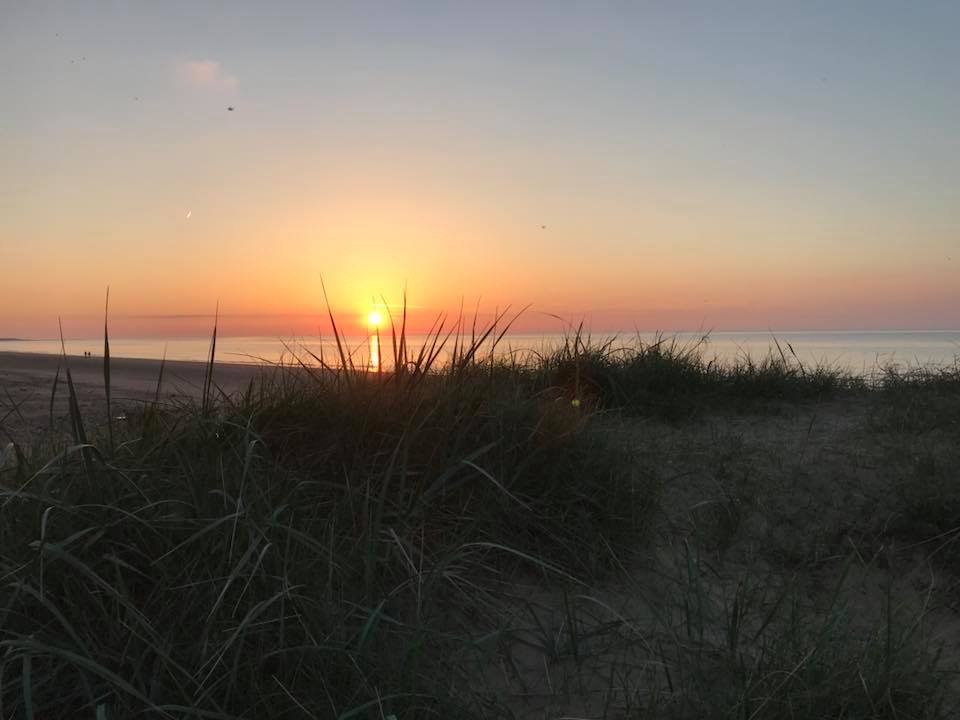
606	333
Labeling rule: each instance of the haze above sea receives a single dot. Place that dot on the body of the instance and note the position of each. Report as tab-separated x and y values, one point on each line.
856	351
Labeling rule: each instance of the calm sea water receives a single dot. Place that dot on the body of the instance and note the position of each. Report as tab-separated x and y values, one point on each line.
858	351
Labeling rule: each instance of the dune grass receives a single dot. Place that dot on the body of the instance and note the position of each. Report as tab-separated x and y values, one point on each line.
335	542
678	380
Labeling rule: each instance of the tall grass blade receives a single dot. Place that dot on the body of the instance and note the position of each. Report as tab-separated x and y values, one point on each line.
393	337
106	368
208	377
344	363
76	421
163	363
53	390
403	329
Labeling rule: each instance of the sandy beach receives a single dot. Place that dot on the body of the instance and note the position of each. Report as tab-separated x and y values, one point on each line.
27	379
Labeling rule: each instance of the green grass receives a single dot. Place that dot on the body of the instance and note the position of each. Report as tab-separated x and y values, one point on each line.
673	380
349	544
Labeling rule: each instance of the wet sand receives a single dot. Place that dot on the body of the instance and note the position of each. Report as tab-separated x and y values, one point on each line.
27	380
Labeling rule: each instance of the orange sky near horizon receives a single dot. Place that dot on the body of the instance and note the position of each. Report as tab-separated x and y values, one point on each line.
644	168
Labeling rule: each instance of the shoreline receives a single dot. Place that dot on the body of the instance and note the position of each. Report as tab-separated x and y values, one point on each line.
862	353
121	368
29	403
5	352
44	357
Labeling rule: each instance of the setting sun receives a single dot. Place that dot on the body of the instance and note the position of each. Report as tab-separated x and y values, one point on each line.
375	318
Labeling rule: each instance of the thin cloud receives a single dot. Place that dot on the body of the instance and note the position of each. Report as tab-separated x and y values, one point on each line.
205	74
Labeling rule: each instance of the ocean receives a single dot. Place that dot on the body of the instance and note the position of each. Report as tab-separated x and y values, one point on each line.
855	351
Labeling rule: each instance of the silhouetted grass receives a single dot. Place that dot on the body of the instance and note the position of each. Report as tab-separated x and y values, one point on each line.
919	400
675	380
312	541
340	543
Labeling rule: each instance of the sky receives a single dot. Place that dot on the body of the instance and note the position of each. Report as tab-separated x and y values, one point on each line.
668	165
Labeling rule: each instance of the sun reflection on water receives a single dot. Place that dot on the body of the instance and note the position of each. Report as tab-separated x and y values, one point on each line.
374	352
